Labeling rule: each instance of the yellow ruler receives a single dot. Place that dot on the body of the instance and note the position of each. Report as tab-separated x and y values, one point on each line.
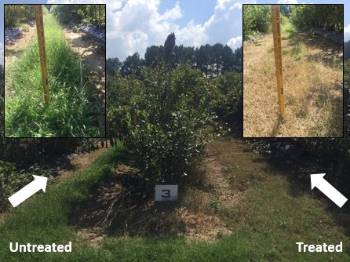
42	53
276	28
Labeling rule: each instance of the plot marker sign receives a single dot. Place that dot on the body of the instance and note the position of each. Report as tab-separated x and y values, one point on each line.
166	192
39	183
317	180
42	52
276	29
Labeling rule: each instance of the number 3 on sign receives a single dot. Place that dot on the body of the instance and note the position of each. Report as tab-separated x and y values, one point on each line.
166	192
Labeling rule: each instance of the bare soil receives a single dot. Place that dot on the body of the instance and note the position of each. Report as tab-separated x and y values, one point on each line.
14	49
92	53
79	162
313	87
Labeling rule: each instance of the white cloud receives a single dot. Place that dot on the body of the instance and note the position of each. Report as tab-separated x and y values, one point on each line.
287	2
133	25
347	33
139	24
173	13
235	42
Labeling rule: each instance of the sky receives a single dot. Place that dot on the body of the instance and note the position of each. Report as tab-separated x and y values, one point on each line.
133	25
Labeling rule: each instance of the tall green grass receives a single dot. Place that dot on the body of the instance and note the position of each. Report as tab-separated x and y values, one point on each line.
69	113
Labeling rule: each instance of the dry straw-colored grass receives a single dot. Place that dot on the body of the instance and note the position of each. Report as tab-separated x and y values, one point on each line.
313	87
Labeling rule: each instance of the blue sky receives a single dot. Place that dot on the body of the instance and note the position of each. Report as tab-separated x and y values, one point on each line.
133	25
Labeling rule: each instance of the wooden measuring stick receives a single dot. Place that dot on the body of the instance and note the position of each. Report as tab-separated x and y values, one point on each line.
276	28
42	53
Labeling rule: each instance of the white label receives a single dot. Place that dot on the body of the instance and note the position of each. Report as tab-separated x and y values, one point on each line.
319	248
166	192
16	247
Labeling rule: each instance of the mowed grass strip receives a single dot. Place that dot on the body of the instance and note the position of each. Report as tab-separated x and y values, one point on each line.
69	114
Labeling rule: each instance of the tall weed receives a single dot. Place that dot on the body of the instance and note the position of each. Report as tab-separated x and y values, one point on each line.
69	113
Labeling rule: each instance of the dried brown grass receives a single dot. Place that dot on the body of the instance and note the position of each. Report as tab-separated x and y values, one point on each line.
313	86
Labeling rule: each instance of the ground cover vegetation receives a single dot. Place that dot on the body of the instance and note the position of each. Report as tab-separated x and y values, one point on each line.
312	55
70	112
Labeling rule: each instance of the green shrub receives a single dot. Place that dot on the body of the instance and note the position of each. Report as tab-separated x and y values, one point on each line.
88	14
161	119
227	101
330	17
107	172
256	19
17	14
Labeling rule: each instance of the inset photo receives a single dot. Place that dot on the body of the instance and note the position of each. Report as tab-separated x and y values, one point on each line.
293	68
55	70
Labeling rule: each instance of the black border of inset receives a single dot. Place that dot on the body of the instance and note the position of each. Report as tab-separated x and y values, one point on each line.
105	75
279	138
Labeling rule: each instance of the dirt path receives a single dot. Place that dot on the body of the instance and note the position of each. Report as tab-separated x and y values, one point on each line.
313	83
78	163
92	54
220	158
15	49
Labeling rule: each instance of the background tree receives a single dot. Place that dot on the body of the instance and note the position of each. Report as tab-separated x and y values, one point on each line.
132	65
17	14
113	66
154	55
169	49
328	17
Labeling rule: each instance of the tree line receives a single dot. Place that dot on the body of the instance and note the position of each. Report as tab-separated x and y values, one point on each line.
212	60
257	18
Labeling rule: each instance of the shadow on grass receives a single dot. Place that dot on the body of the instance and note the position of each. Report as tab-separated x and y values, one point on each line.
298	164
331	53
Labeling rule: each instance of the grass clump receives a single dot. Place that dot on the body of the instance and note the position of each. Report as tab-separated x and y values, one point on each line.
287	27
69	113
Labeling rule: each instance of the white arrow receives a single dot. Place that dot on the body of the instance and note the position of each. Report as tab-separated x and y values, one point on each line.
326	188
26	192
